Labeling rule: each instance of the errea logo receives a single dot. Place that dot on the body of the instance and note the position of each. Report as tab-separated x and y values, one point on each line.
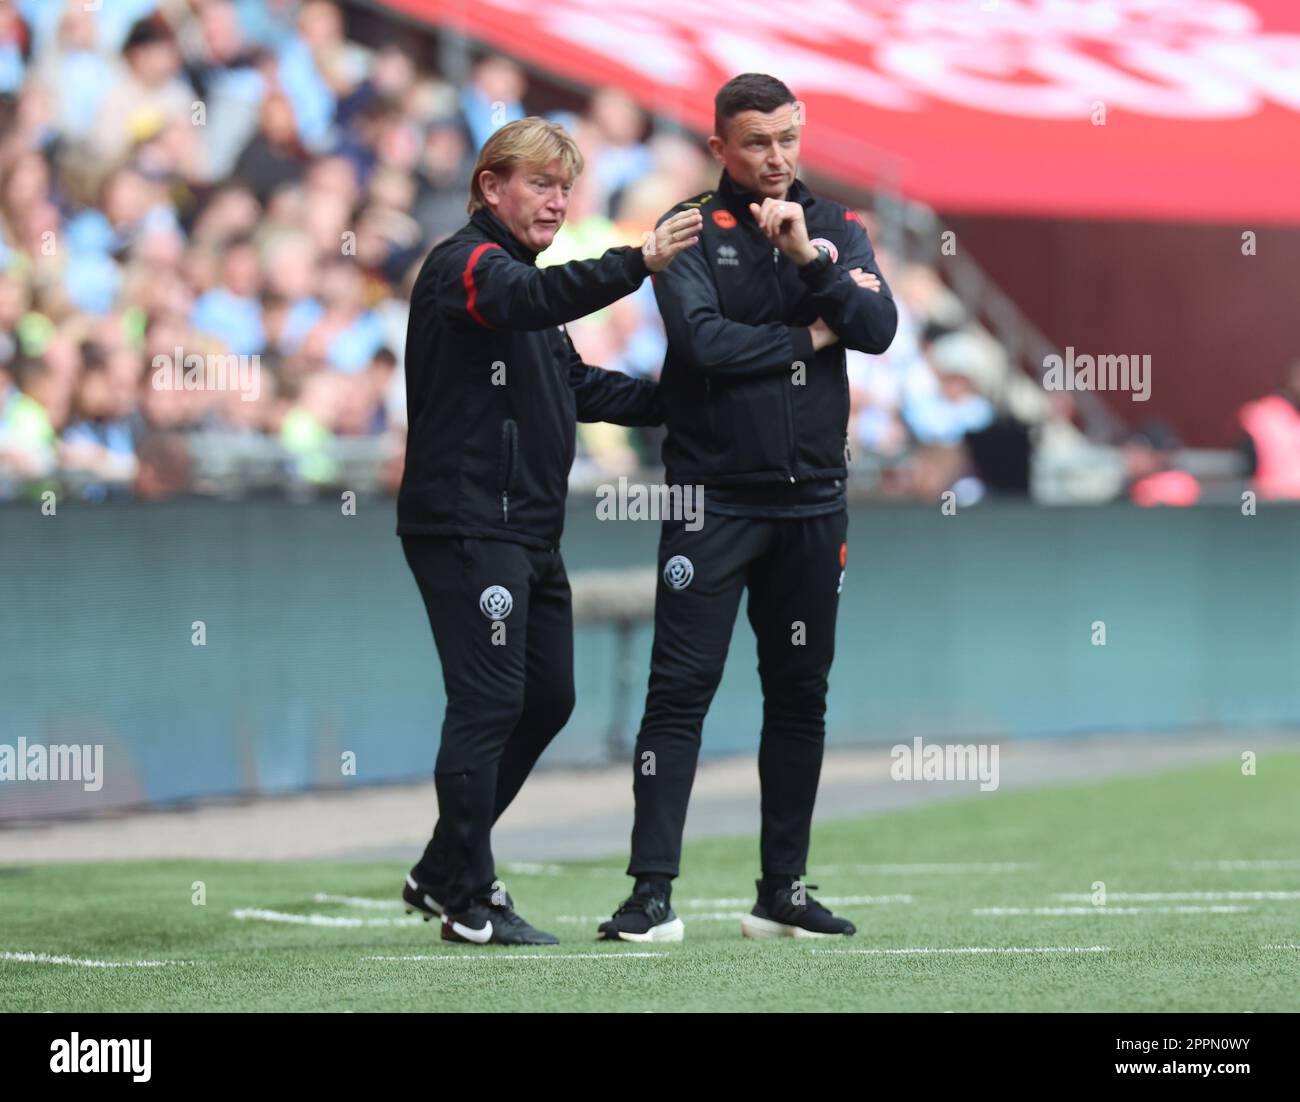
728	257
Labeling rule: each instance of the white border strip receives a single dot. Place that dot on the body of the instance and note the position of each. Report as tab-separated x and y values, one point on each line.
974	949
460	957
955	867
1153	897
1186	910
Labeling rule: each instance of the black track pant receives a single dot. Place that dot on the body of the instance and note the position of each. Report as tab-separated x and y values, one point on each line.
793	569
502	621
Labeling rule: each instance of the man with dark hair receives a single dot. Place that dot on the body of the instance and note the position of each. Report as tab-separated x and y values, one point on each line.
757	406
494	389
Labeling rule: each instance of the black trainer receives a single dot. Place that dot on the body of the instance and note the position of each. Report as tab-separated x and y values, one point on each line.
789	911
644	916
492	921
418	896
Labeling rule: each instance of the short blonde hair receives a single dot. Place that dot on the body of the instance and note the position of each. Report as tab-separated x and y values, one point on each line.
529	143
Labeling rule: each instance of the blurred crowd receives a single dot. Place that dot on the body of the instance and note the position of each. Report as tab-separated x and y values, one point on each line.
237	183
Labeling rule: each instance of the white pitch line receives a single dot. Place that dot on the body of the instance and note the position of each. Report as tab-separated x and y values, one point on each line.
1204	896
358	901
530	868
46	958
459	957
320	920
1188	910
964	949
527	868
1280	947
945	867
1242	865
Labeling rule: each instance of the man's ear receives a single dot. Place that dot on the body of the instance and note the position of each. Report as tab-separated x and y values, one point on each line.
489	183
715	147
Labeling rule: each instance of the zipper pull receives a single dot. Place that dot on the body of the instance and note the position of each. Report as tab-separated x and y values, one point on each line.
505	506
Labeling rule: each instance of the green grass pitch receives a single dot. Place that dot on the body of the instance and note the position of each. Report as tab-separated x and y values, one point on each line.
1152	840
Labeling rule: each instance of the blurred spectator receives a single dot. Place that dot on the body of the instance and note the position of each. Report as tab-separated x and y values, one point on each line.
15	47
493	97
307	429
274	156
346	335
75	73
232	311
99	442
146	94
442	179
27	439
1272	441
1149	454
164	468
621	157
316	66
224	68
1067	468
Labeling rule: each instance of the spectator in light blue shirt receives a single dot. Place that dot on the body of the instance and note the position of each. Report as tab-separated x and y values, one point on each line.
269	23
76	73
347	335
312	65
233	312
493	98
956	406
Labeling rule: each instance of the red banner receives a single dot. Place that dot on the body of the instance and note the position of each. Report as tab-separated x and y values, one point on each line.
1127	109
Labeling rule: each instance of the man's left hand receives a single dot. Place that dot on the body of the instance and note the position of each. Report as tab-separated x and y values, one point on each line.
868	281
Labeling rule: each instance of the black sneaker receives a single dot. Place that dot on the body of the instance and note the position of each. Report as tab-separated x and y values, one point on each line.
789	911
420	897
492	921
644	916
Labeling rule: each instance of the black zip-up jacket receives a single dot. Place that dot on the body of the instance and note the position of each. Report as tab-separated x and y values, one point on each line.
737	313
494	386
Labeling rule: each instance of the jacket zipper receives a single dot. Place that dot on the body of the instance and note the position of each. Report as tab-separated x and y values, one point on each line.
789	398
509	463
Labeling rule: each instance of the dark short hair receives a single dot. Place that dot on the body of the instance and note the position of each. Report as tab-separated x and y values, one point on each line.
749	92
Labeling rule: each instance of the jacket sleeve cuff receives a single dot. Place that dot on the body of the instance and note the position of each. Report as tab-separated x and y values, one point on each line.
801	342
817	274
634	265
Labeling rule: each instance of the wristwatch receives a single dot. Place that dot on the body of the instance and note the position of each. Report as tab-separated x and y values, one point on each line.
823	260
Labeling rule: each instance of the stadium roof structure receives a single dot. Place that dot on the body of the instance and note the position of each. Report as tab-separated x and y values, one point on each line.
1164	110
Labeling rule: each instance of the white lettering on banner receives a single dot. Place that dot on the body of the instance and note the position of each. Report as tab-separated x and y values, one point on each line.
1043	59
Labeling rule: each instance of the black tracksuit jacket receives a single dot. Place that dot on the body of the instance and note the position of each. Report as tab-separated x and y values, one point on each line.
737	313
494	386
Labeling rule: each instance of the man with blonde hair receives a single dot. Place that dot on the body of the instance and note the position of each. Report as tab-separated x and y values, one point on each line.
494	390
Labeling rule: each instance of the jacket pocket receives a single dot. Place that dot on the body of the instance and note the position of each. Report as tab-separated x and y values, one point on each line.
507	465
